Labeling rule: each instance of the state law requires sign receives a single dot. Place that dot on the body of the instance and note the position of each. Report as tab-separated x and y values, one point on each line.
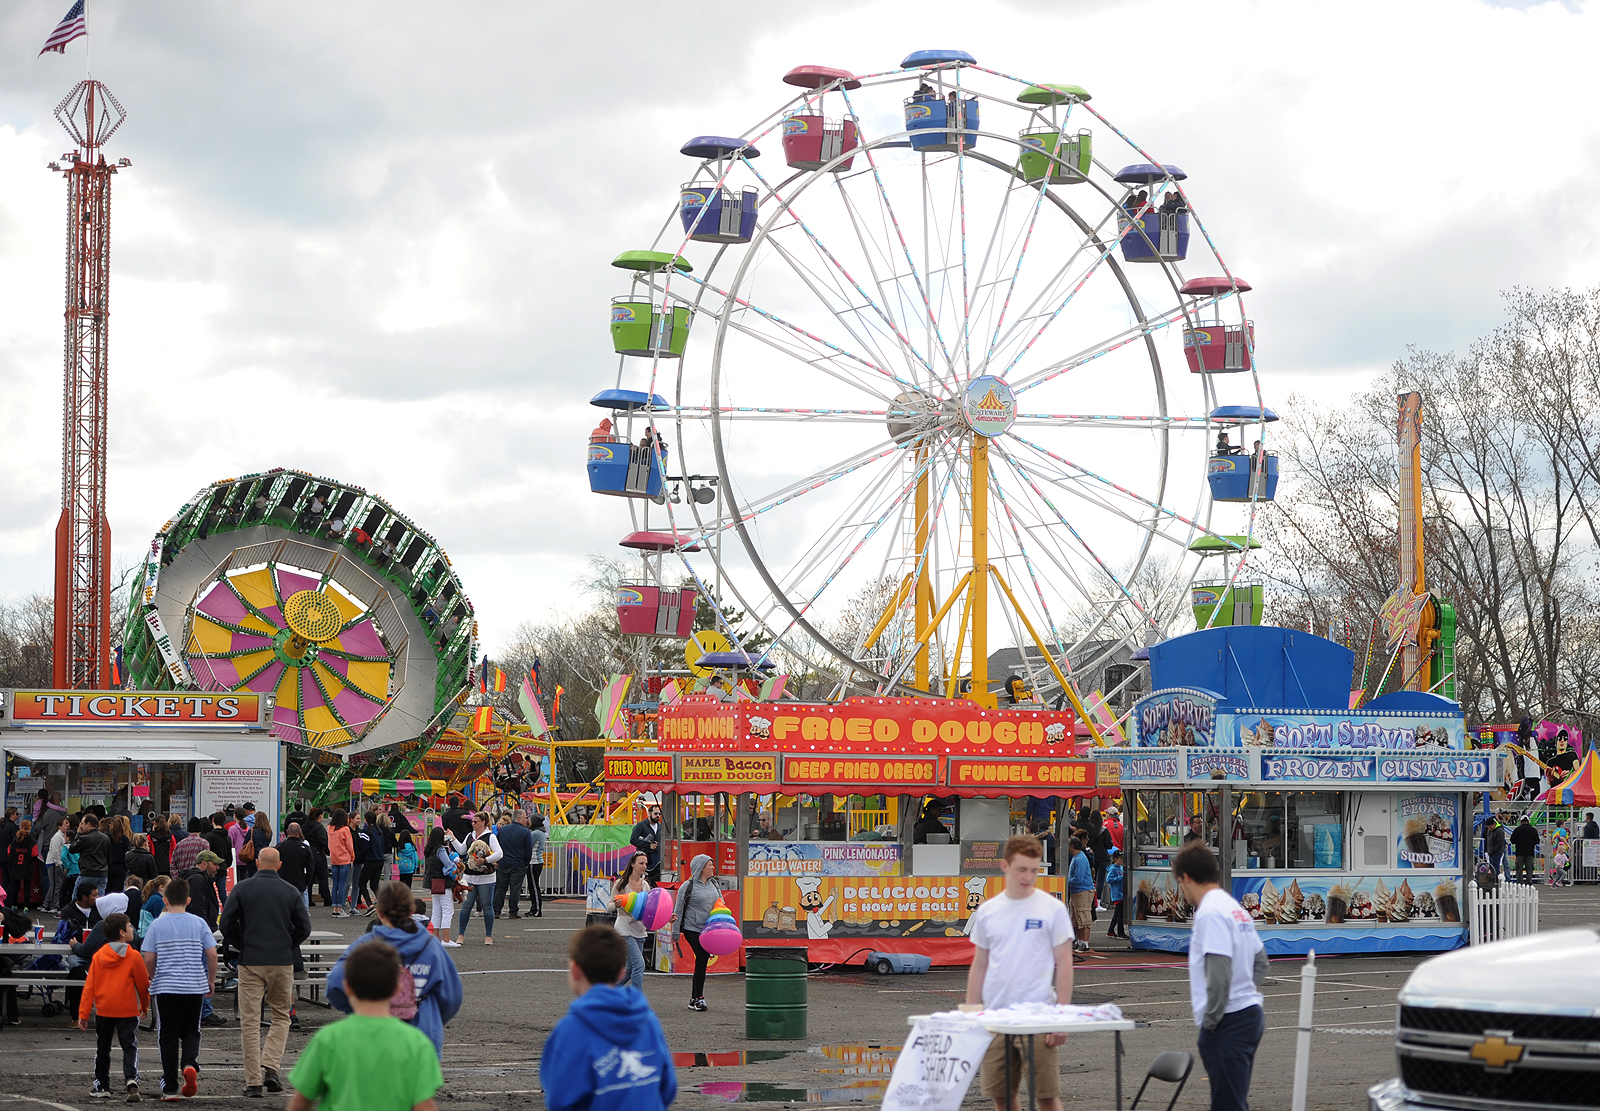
221	786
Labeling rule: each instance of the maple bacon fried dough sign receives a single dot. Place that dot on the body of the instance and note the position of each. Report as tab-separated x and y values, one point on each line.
727	773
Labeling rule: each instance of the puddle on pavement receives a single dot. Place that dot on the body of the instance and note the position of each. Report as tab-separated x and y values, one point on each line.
735	1091
842	1060
732	1057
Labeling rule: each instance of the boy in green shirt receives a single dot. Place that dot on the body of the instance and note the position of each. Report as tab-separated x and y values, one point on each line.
369	1061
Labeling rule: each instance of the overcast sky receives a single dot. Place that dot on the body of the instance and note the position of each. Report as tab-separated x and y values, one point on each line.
372	240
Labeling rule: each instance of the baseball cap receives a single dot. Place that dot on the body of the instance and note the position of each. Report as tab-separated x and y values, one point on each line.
208	857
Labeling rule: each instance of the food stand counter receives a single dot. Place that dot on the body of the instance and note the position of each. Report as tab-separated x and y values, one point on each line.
804	878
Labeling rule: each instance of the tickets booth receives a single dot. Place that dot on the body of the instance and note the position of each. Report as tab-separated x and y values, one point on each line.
1339	830
141	752
811	811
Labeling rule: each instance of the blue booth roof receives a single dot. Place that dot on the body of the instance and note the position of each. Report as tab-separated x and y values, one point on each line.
1147	173
718	146
1243	412
628	400
1412	702
1257	666
922	59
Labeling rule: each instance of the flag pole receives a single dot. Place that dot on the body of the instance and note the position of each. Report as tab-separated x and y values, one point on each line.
88	70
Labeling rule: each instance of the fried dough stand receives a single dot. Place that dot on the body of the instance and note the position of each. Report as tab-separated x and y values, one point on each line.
1340	830
811	810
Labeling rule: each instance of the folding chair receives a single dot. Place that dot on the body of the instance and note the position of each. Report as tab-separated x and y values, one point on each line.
1174	1067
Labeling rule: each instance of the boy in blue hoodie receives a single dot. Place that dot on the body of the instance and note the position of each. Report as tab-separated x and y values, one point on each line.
608	1053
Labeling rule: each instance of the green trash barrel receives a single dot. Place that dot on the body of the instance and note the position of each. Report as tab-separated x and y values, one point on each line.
774	993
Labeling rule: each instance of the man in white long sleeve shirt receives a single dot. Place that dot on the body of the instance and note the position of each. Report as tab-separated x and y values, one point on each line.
479	868
1227	966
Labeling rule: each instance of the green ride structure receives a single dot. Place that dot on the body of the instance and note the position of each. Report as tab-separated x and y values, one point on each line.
322	597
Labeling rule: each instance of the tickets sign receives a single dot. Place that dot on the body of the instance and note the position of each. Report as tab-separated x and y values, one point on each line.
638	769
888	771
727	772
1020	777
78	709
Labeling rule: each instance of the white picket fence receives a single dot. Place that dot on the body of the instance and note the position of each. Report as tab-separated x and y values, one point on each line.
1510	910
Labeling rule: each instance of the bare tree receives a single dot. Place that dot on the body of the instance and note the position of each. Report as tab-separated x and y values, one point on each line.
27	632
1510	498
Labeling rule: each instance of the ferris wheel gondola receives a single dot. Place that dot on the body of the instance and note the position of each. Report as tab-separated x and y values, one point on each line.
933	390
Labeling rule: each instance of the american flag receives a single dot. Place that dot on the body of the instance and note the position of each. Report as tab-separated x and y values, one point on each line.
72	25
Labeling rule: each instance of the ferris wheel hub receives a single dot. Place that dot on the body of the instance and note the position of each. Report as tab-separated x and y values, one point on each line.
915	413
988	406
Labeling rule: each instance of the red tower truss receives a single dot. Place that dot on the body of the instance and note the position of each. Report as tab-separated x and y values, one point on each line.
90	115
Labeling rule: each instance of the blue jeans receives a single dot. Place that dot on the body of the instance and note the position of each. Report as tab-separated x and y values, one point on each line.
341	881
480	895
1229	1053
635	962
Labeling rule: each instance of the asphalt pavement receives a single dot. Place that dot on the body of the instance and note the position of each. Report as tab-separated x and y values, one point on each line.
517	990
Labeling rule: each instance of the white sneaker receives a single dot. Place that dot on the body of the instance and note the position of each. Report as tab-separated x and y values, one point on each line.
451	944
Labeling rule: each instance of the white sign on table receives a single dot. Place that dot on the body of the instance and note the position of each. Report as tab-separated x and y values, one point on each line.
1591	854
936	1067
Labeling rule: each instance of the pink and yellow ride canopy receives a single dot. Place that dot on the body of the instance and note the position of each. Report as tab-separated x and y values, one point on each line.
328	690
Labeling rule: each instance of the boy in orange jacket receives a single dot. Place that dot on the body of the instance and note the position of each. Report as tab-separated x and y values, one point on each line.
117	991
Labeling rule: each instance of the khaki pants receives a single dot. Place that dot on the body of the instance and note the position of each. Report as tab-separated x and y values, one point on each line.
275	983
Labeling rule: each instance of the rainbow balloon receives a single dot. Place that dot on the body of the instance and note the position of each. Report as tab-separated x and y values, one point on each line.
721	935
652	908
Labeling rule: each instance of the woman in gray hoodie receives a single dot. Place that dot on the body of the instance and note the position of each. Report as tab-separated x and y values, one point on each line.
696	897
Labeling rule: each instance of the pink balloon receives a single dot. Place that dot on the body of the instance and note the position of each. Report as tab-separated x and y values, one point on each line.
657	909
721	941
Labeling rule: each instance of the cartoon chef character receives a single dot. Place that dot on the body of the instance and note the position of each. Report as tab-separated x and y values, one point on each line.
811	902
974	888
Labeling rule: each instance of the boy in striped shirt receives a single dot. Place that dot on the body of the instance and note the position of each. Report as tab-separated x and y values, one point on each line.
181	955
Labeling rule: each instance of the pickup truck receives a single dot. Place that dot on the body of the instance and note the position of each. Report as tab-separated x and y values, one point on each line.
1515	1024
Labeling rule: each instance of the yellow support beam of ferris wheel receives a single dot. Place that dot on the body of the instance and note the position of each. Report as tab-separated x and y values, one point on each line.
1066	687
980	692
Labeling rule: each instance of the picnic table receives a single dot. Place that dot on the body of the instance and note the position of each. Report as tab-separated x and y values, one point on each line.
44	979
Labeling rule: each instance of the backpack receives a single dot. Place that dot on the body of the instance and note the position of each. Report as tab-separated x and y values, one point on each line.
403	1003
247	851
408	858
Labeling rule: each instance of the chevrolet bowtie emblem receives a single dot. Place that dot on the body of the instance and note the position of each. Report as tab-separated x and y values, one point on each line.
1496	1052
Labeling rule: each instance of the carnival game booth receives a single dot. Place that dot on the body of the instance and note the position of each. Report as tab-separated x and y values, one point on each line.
1339	830
138	752
810	811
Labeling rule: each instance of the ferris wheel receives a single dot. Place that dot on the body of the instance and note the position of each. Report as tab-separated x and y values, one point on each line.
964	369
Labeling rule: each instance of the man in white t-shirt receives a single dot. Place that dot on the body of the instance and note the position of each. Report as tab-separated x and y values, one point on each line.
1018	933
1227	965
